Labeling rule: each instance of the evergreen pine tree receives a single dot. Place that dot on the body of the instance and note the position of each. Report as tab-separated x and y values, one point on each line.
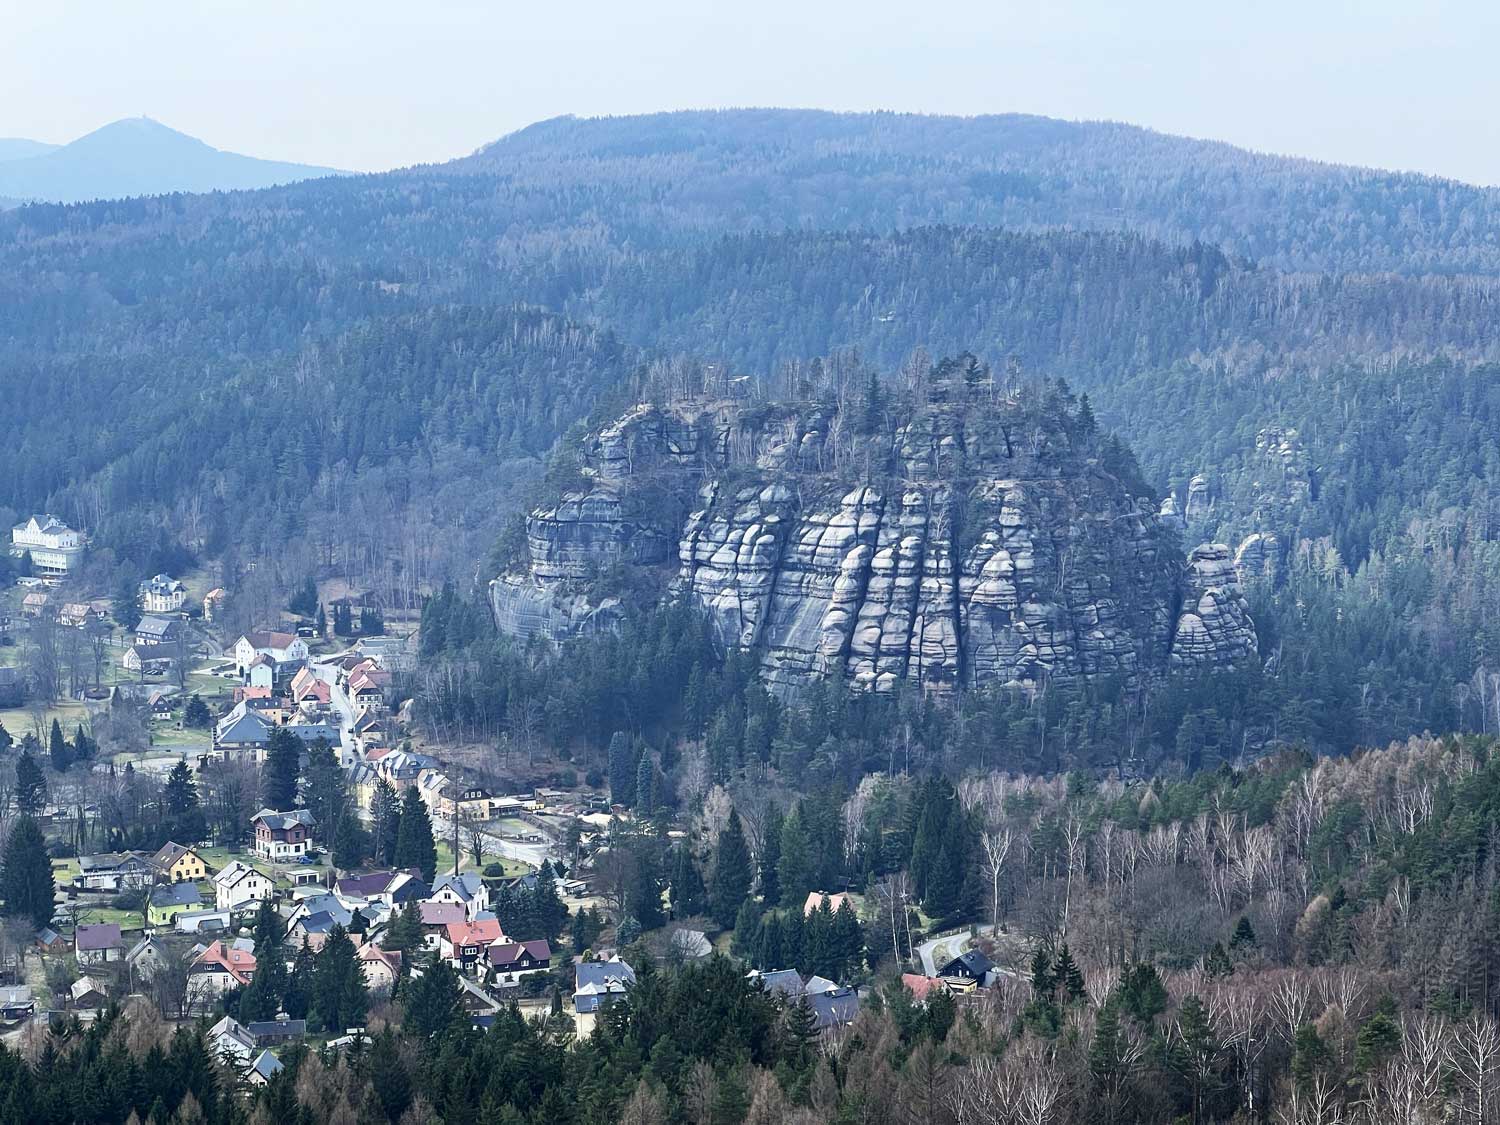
746	931
415	846
1243	938
645	787
1111	1063
794	868
278	780
801	1032
6	741
1195	1054
84	747
1217	963
687	884
405	933
1043	982
385	821
729	885
270	931
31	784
196	714
848	941
339	998
1068	975
769	952
622	769
61	754
770	860
431	1001
26	882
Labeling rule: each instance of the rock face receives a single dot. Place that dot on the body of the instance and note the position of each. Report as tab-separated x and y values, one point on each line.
965	544
1214	626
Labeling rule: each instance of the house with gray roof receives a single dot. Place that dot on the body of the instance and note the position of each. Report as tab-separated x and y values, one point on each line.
598	984
835	1009
265	1067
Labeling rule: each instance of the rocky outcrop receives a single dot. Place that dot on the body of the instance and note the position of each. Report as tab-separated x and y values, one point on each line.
965	544
1214	627
1258	558
1199	500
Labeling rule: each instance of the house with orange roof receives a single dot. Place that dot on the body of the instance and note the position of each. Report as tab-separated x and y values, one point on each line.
815	900
380	966
464	943
216	970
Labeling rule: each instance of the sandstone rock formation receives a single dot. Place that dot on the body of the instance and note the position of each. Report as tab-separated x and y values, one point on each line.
1214	627
962	544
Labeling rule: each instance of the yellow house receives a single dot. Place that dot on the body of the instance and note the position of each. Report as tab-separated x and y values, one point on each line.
178	864
168	902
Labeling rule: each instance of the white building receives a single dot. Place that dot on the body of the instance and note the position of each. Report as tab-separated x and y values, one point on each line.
162	595
238	885
55	547
279	647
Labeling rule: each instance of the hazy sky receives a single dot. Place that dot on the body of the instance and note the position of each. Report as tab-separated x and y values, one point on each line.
373	84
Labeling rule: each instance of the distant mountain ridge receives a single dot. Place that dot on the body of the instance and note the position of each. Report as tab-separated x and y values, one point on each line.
134	156
19	148
666	178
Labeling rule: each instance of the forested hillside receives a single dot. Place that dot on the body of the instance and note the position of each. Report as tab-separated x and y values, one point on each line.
660	177
224	374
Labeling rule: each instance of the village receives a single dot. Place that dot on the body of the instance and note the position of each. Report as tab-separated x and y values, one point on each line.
505	885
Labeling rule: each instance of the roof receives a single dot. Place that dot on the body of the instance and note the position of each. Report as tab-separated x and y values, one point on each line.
270	638
391	958
834	1009
170	853
479	932
155	625
231	1028
919	986
973	963
815	901
472	991
266	1064
14	995
97	936
601	974
105	862
784	981
466	886
367	885
176	894
284	820
817	985
232	873
203	921
242	725
44	522
83	986
277	1027
441	913
508	953
236	962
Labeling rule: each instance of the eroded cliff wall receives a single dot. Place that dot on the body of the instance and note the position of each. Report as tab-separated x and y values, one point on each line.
966	543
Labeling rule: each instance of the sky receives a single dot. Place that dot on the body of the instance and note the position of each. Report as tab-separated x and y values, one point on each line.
377	84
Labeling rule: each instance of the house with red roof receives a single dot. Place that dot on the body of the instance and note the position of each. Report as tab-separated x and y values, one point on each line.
216	970
464	943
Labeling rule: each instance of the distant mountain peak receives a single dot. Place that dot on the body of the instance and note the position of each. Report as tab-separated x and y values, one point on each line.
138	156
